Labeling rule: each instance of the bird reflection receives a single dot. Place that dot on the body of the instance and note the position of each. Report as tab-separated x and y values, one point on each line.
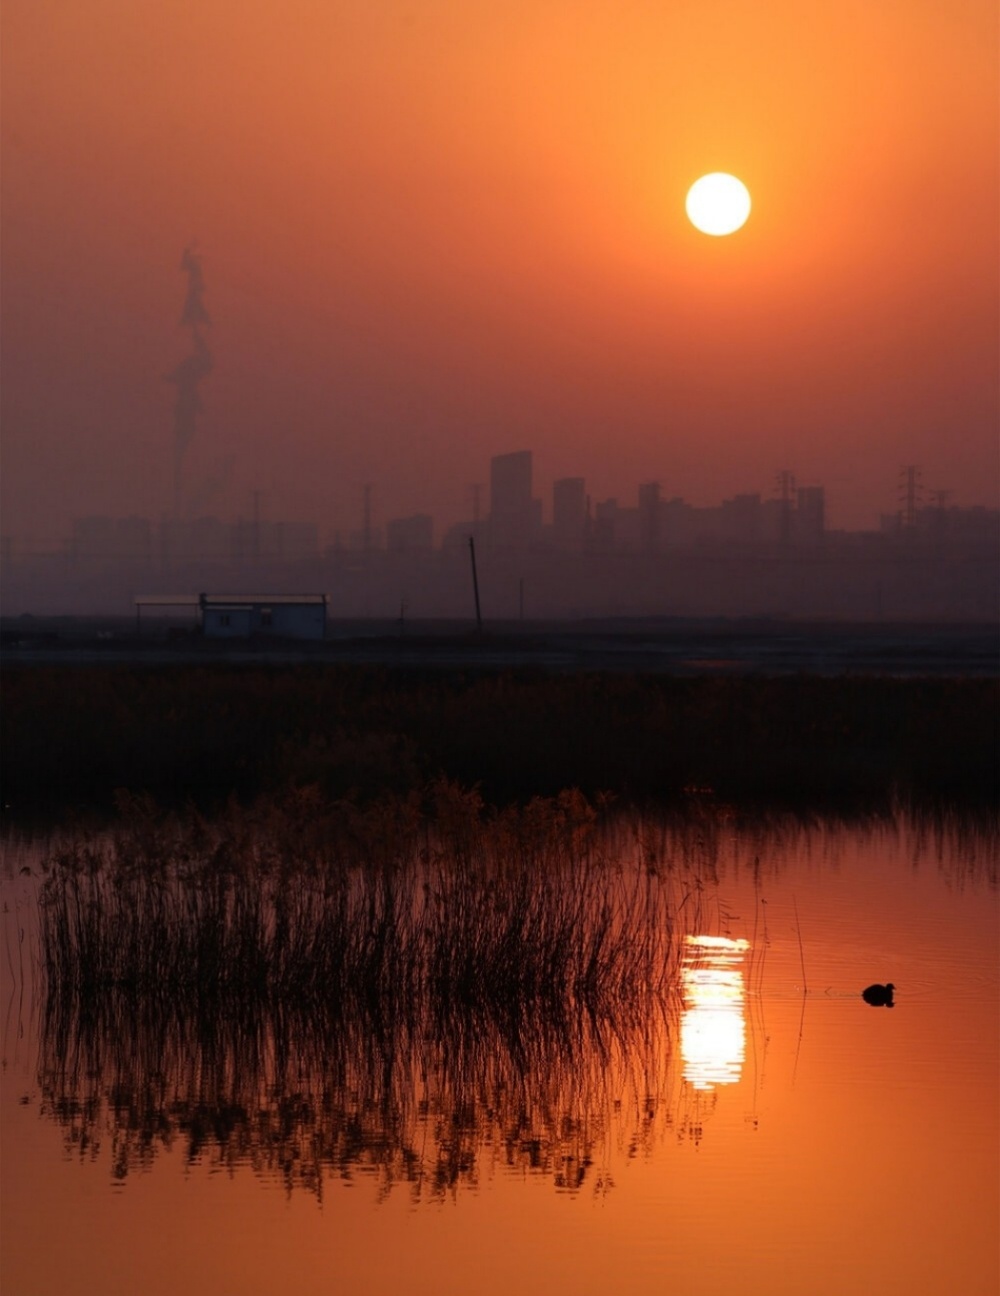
713	1028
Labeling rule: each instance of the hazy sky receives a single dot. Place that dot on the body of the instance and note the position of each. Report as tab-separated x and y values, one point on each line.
437	230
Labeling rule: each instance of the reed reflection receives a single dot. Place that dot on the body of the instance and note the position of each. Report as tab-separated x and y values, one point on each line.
492	997
713	1024
413	995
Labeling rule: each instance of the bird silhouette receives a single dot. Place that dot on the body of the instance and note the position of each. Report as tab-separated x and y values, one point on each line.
879	996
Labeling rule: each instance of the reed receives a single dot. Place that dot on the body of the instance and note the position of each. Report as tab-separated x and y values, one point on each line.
515	910
474	962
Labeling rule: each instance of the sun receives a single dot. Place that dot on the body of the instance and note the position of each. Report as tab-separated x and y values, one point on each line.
718	204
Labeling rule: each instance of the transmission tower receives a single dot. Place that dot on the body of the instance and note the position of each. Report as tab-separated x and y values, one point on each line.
909	494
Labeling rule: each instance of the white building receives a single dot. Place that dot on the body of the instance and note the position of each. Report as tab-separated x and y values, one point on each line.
240	616
279	616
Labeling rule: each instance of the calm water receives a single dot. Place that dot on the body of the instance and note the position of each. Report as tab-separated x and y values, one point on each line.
758	1128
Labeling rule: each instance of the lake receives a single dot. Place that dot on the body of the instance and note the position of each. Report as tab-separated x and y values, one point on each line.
712	1108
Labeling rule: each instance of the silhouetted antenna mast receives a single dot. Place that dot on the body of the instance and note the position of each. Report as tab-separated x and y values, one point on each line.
366	526
785	489
909	494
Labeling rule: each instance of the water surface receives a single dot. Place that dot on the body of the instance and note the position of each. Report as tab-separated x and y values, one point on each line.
755	1126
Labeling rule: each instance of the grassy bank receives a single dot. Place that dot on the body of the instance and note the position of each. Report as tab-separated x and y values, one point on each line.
73	735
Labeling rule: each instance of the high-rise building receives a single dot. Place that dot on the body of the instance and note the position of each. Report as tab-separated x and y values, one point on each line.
604	531
810	515
569	512
740	519
512	512
404	535
649	517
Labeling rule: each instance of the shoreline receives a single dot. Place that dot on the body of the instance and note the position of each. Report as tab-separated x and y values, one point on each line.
683	647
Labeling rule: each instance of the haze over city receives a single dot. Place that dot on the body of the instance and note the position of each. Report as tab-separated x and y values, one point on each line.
428	235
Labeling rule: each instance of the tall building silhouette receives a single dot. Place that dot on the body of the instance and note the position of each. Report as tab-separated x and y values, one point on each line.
649	517
512	509
410	534
810	516
569	512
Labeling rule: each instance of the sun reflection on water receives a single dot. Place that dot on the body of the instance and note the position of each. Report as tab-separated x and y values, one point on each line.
713	1027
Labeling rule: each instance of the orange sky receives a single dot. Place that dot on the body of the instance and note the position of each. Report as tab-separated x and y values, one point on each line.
436	231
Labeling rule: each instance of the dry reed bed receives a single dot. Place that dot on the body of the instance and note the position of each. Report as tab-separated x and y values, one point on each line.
317	904
294	985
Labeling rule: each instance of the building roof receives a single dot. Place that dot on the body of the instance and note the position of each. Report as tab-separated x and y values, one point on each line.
166	600
255	600
230	600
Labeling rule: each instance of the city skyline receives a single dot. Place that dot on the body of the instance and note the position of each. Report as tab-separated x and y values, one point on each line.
462	230
746	556
534	513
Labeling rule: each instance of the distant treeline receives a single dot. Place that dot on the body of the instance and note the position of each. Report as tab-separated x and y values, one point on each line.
74	735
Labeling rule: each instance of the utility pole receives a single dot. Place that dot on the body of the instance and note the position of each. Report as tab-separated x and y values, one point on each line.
475	584
255	533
